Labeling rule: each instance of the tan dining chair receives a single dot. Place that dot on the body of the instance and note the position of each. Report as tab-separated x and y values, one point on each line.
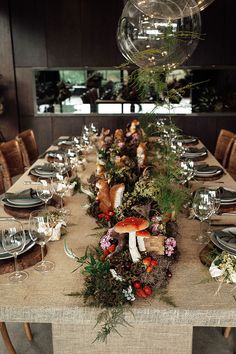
6	339
231	168
30	143
223	146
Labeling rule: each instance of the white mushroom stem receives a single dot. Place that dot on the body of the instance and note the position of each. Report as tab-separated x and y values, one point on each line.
135	255
141	244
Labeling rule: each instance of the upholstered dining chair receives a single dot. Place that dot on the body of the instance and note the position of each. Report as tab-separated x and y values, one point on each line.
2	185
30	143
231	168
11	161
7	340
24	152
223	146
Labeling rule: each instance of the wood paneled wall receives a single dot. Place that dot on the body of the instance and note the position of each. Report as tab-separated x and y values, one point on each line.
77	33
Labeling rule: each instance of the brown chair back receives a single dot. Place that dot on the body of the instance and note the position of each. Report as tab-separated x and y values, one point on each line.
30	144
11	159
232	162
24	152
223	140
2	184
228	152
5	171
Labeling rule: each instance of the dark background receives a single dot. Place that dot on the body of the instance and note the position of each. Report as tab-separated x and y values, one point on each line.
77	33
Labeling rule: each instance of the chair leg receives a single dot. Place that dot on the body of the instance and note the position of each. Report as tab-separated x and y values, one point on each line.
6	338
227	332
28	332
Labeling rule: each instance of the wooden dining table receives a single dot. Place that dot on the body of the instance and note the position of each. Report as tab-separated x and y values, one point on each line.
156	326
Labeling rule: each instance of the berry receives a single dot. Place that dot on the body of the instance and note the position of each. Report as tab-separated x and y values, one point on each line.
169	274
149	269
141	293
111	248
147	290
147	261
154	262
106	252
137	285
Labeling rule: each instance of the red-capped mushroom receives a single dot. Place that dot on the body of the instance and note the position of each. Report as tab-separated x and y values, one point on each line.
132	225
140	238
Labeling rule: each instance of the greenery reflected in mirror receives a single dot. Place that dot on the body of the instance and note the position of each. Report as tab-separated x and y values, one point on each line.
112	91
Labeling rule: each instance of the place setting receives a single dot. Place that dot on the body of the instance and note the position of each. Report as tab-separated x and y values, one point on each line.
204	172
225	239
187	140
23	245
196	154
48	170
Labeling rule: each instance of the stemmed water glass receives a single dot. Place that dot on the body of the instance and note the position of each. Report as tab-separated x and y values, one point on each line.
13	242
203	207
215	194
41	230
61	185
44	191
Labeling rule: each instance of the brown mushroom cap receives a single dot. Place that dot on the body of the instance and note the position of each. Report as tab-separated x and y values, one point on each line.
131	224
143	233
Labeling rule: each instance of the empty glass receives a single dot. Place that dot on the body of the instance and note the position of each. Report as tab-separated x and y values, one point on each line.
203	207
41	230
44	191
13	242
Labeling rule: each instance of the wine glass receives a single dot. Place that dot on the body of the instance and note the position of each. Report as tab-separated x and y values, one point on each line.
61	185
60	162
203	207
41	230
215	194
44	191
13	242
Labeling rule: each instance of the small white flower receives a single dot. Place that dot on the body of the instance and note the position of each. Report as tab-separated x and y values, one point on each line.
115	275
129	294
215	271
233	278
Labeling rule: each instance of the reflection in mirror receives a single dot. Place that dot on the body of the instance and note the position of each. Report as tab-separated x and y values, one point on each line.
111	91
102	91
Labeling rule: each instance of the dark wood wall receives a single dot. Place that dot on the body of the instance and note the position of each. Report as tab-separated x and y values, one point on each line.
77	33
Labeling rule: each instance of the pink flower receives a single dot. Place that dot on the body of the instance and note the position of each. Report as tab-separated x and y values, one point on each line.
105	240
170	242
170	245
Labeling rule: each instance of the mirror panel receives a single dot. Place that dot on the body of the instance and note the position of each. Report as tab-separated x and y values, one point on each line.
110	91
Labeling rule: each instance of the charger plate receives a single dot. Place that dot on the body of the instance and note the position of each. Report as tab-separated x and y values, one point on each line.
25	260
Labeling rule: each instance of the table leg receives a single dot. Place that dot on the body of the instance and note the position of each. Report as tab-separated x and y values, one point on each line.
142	339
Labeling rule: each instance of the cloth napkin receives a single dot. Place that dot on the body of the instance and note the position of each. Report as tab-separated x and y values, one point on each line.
25	194
227	194
227	239
206	169
193	150
45	168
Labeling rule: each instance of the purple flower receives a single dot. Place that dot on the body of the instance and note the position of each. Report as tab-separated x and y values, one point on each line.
170	242
170	245
155	228
105	240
